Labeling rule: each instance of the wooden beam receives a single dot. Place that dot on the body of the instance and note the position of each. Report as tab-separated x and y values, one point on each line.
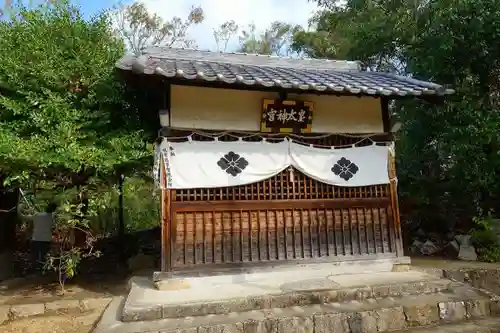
250	205
386	117
395	206
165	222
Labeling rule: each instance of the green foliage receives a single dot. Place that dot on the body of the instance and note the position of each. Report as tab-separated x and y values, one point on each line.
448	153
66	130
60	101
141	206
485	239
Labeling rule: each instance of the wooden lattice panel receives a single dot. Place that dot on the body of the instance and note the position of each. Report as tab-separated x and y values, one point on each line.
279	234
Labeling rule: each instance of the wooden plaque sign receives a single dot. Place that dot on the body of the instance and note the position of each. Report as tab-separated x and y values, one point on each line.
280	116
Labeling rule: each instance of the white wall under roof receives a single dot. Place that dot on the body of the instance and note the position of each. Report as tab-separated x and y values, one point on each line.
225	109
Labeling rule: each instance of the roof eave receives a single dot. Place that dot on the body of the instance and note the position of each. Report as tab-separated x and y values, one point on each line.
138	65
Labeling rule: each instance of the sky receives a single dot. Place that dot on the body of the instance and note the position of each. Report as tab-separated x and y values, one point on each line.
243	12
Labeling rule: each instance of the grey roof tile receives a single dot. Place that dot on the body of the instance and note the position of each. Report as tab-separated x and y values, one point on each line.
269	71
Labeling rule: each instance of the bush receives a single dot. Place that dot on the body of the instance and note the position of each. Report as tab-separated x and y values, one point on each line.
485	239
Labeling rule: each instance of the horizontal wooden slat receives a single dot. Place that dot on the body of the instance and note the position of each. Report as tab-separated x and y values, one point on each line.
252	205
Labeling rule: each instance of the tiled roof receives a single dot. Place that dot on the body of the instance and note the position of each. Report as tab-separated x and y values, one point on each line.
318	75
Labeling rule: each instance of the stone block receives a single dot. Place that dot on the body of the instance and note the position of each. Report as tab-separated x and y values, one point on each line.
421	315
416	288
194	310
495	307
141	314
249	304
324	297
328	323
296	325
346	295
391	319
291	299
398	290
62	305
27	310
223	328
180	330
452	311
477	308
381	291
261	326
364	293
4	314
363	322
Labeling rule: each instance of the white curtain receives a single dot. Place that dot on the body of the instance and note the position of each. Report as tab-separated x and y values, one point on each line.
200	164
360	166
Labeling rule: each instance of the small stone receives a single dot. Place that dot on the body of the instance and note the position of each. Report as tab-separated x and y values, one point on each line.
4	314
296	325
171	284
429	248
329	323
392	319
421	315
416	246
27	310
62	305
400	268
452	311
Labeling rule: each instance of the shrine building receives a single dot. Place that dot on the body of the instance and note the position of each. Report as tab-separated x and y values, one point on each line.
265	161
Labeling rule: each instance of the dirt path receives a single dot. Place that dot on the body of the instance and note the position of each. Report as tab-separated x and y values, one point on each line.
62	323
37	290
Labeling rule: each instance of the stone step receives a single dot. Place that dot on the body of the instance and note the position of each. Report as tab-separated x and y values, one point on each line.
373	315
135	310
488	325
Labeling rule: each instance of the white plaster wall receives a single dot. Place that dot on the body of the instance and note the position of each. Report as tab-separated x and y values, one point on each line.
227	109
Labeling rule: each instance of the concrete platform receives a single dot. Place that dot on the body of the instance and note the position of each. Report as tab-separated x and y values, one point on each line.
225	294
371	315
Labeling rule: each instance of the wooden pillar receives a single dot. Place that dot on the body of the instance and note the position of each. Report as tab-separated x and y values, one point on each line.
166	217
396	221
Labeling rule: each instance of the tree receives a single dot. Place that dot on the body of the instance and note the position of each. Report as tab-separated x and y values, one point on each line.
140	29
448	154
275	40
223	34
65	126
